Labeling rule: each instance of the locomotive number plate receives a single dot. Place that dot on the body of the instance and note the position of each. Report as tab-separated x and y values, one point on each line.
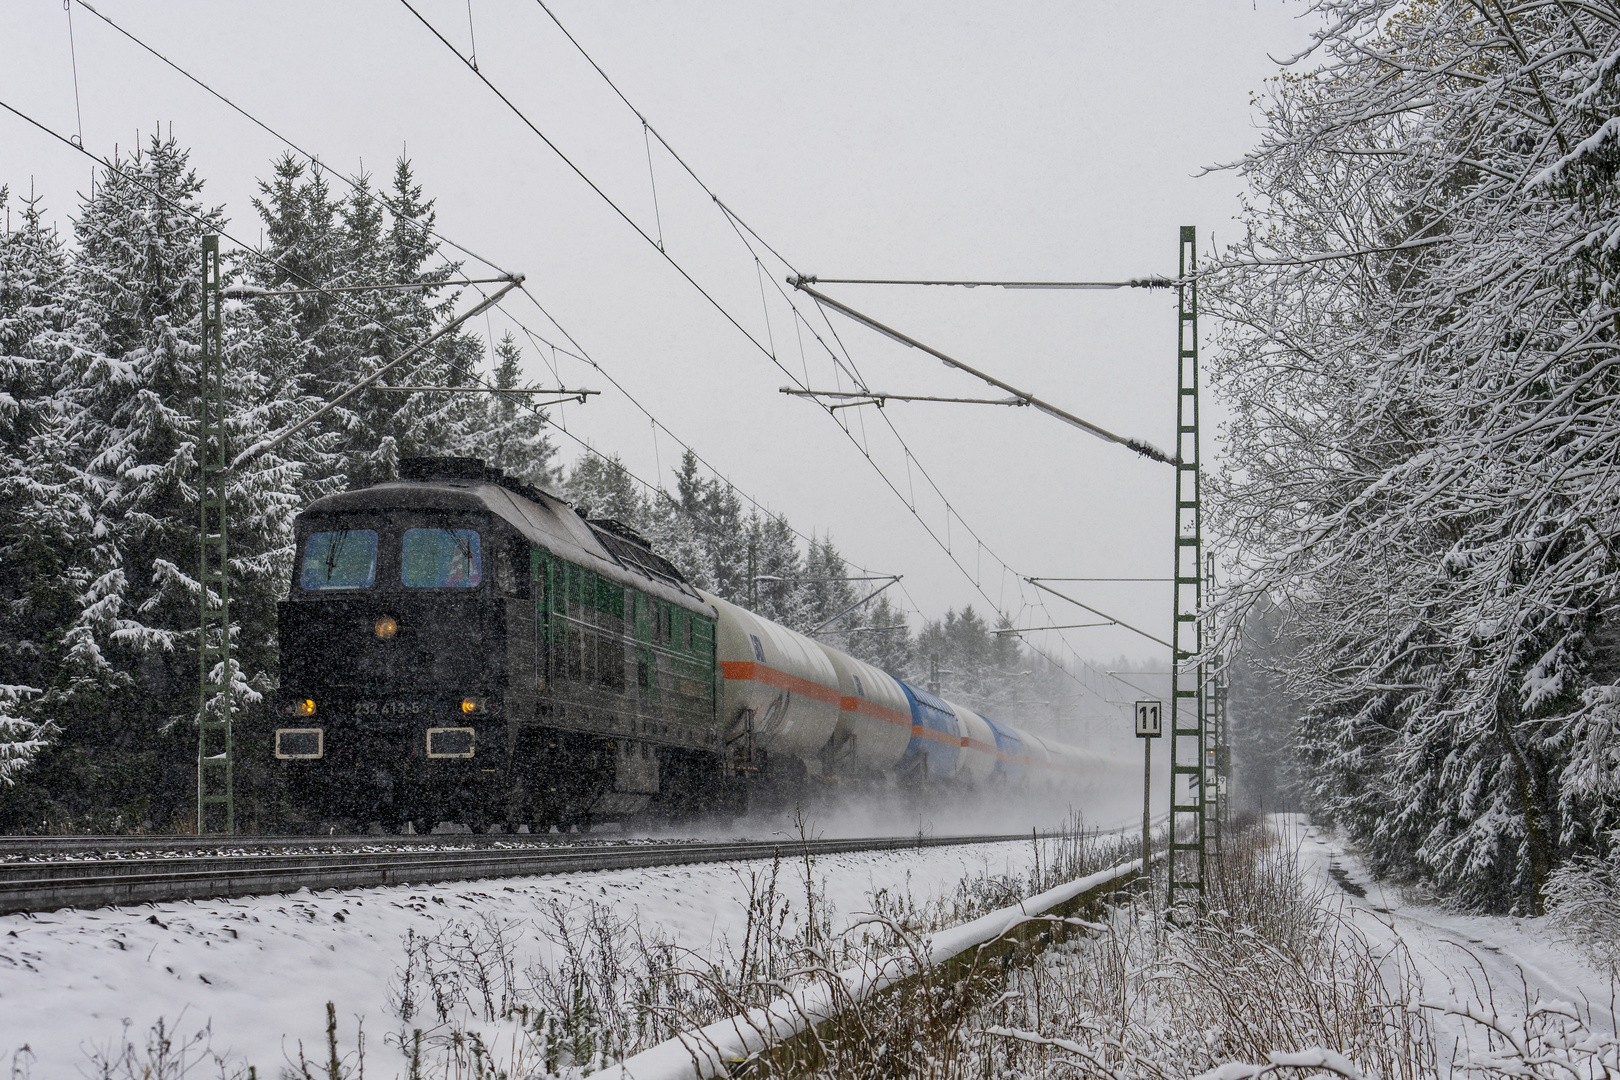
390	708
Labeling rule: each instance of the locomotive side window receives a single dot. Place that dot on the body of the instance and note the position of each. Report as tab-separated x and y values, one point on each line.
344	559
441	559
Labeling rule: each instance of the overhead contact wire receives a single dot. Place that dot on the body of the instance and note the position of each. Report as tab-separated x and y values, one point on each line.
353	184
424	229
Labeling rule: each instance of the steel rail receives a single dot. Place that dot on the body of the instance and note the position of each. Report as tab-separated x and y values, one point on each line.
88	883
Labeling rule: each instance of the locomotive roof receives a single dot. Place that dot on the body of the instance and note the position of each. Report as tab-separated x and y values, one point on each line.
541	518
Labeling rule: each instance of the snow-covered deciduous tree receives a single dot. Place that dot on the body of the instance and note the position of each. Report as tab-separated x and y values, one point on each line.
1420	356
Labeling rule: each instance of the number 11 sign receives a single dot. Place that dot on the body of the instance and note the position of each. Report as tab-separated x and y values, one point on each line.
1148	725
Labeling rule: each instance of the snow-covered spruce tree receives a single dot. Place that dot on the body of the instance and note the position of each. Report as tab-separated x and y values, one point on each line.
601	487
399	425
37	526
673	534
890	650
371	238
266	358
717	519
512	436
961	644
825	595
1420	359
782	594
128	382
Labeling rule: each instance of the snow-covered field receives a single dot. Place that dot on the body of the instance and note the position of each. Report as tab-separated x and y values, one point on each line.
261	970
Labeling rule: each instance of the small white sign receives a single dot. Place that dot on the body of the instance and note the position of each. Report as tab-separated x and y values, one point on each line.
1148	723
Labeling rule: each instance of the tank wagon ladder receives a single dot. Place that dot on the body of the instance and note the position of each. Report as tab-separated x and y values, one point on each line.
215	774
1192	787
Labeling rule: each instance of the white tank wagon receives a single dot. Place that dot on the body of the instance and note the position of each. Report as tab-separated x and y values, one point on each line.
874	719
779	693
977	760
1086	771
791	698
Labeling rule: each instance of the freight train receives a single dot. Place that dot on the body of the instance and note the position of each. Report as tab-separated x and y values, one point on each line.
460	647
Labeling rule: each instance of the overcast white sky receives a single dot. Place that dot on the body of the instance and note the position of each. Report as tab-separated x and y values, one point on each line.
1034	140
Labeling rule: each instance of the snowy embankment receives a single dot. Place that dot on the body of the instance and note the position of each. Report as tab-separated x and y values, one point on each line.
1504	996
705	1053
259	971
1456	955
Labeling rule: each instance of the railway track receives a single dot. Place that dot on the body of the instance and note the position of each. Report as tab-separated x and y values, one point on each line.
195	869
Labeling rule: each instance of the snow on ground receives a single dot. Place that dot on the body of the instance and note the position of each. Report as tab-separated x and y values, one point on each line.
1455	955
260	970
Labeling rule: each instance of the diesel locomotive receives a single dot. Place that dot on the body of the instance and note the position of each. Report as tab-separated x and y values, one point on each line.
460	647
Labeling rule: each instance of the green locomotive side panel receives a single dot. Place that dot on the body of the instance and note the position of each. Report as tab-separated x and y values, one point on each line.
618	661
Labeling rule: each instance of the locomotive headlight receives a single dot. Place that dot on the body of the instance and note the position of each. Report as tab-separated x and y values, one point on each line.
469	705
387	627
305	707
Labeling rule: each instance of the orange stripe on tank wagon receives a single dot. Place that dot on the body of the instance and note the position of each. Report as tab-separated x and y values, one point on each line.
748	671
975	744
920	732
874	710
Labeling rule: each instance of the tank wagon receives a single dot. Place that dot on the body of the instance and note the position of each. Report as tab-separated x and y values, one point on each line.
458	646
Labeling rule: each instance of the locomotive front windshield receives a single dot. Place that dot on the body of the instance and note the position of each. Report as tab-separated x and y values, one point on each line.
342	559
441	559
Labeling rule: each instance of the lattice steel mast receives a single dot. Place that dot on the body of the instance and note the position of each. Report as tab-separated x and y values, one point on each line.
215	765
1192	786
1217	756
215	770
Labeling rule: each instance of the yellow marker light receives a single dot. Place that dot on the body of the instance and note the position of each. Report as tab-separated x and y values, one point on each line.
306	707
386	627
469	705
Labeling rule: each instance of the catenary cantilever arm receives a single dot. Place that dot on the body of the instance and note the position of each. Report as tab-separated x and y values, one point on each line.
265	445
1146	449
853	606
1122	625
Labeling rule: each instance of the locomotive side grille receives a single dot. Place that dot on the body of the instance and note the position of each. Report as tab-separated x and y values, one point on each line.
638	556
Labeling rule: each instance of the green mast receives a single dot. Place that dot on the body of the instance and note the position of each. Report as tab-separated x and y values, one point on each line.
216	805
1192	786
